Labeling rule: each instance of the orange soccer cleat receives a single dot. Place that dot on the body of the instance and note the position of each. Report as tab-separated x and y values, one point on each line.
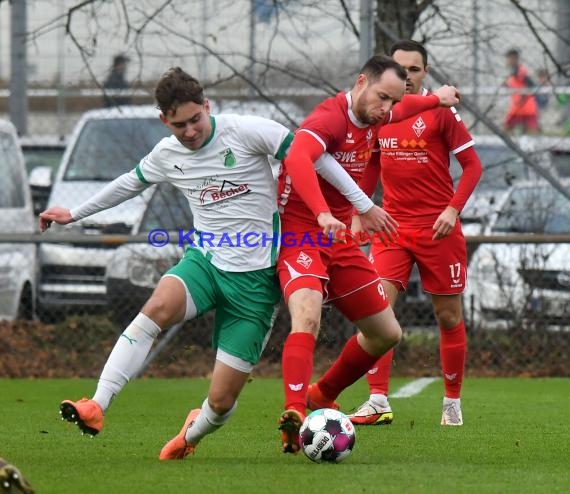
85	413
177	448
316	400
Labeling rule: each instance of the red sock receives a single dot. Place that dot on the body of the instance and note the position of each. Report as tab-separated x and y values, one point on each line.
297	368
452	351
378	376
351	365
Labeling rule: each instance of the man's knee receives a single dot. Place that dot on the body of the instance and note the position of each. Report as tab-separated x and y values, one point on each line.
449	316
305	309
383	328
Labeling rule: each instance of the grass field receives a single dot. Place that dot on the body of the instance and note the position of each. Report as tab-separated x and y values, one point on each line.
516	438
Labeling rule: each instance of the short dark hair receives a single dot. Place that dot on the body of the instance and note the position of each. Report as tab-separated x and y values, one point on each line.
513	52
410	45
176	87
378	64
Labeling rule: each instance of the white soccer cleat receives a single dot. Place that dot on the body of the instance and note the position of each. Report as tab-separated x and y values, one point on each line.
372	414
451	413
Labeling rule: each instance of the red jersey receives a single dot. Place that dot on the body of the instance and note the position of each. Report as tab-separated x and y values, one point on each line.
521	104
414	164
350	142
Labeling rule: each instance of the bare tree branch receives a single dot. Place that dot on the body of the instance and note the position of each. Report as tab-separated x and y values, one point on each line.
526	14
349	19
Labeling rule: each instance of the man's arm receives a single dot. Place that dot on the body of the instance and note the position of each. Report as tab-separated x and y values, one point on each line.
412	104
372	218
472	170
332	171
119	190
305	150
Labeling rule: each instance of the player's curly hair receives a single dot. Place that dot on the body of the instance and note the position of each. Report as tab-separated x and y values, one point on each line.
176	87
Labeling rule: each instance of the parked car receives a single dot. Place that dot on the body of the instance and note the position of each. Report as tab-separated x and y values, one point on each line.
133	270
104	144
42	155
529	283
18	265
43	150
502	167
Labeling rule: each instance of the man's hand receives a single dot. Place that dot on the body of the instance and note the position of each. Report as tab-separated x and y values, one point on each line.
61	216
378	220
445	223
448	95
330	225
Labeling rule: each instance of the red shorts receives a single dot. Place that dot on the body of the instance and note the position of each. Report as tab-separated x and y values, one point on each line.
442	263
527	122
341	272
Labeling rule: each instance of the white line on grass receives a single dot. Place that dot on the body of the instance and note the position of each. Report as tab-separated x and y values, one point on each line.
414	388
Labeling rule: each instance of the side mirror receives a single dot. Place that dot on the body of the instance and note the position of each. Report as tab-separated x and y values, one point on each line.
40	181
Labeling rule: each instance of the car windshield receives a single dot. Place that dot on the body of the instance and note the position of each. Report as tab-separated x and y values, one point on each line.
539	209
108	148
167	210
501	167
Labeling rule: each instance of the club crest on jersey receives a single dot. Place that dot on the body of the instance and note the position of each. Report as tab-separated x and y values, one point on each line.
419	126
229	158
369	135
304	260
349	138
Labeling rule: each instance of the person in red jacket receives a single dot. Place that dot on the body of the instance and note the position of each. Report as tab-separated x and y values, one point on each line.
418	193
314	269
523	110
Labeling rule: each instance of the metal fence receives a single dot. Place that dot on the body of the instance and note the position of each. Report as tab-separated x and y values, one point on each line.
523	330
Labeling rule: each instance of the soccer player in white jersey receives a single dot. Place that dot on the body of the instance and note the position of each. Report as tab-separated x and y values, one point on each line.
221	164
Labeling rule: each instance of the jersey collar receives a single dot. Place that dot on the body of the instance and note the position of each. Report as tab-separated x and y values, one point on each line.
351	115
211	136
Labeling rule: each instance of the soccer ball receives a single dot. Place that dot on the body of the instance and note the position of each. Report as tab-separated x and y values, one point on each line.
327	435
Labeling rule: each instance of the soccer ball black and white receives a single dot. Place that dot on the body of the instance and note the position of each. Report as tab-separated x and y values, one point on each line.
327	435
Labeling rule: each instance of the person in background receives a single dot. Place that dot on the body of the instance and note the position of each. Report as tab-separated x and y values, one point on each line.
116	80
418	193
523	109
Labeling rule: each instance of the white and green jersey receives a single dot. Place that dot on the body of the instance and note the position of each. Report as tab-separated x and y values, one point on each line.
230	186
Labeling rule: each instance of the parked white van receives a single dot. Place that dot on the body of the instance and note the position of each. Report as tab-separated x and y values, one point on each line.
18	266
104	144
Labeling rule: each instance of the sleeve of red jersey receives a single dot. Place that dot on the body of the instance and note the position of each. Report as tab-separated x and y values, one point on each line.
411	105
472	171
460	143
299	166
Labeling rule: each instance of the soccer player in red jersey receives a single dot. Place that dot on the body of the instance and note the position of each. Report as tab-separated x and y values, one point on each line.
418	193
312	268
